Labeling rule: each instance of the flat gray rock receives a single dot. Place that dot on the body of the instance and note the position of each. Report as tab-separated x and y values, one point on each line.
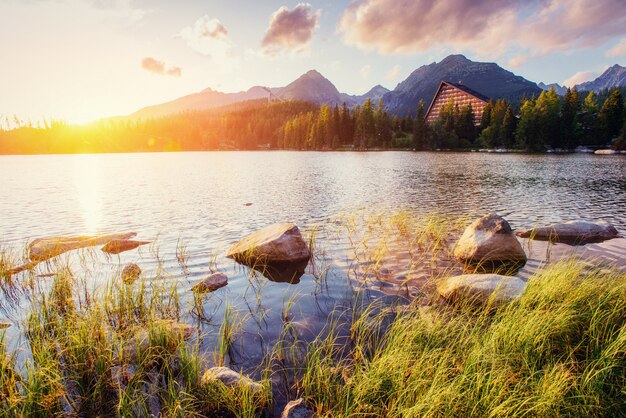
230	377
572	232
481	288
297	409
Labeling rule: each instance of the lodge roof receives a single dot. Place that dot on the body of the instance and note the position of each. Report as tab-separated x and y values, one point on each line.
459	86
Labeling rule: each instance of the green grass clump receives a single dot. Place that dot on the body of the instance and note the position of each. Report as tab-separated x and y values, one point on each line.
560	350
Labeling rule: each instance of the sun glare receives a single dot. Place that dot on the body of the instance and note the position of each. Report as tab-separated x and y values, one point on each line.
88	186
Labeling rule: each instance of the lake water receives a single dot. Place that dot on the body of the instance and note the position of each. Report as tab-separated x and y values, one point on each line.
209	200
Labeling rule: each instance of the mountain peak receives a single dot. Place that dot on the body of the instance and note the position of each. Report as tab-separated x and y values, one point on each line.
313	74
311	86
455	59
489	79
614	76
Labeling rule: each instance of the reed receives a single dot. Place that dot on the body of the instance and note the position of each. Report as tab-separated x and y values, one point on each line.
559	350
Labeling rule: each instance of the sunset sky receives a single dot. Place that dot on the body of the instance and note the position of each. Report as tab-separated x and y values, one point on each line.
84	59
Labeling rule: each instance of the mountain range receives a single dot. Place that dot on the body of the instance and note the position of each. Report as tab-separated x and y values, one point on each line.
487	78
614	76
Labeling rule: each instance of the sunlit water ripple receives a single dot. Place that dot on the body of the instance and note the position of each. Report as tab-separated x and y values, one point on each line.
200	199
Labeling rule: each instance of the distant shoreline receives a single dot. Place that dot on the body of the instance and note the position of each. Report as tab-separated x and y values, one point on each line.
473	151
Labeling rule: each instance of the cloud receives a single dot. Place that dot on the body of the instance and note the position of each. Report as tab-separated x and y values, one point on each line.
518	61
290	30
580	77
618	50
158	67
391	26
393	73
488	27
563	25
365	70
208	36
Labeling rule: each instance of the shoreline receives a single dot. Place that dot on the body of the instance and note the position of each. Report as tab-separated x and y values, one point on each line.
452	151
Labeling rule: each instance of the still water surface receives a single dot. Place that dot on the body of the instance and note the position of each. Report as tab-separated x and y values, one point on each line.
201	200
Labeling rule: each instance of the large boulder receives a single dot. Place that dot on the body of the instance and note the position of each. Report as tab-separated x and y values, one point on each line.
488	244
481	288
210	283
43	249
229	377
297	409
278	243
572	232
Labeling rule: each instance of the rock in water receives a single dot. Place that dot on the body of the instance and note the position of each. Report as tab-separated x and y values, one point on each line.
120	245
274	244
130	273
166	333
230	378
480	288
211	283
297	409
572	232
4	325
488	244
43	249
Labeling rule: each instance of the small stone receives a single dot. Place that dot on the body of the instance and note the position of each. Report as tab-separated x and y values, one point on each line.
210	283
130	273
297	409
230	377
4	325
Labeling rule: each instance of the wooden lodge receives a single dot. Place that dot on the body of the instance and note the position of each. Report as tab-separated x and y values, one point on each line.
462	96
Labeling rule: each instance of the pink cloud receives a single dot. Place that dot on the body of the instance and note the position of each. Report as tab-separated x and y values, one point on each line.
580	77
158	67
488	27
618	50
290	29
518	61
391	26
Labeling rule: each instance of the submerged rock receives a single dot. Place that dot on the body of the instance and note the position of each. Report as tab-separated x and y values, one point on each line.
273	244
166	334
211	283
572	232
297	409
130	273
43	249
229	377
480	288
120	245
488	244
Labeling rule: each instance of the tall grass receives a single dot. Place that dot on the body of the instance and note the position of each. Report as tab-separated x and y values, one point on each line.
559	350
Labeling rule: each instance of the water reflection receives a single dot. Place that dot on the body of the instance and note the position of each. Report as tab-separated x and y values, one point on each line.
87	174
284	272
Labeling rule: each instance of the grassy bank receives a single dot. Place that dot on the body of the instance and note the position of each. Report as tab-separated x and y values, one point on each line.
558	351
123	350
